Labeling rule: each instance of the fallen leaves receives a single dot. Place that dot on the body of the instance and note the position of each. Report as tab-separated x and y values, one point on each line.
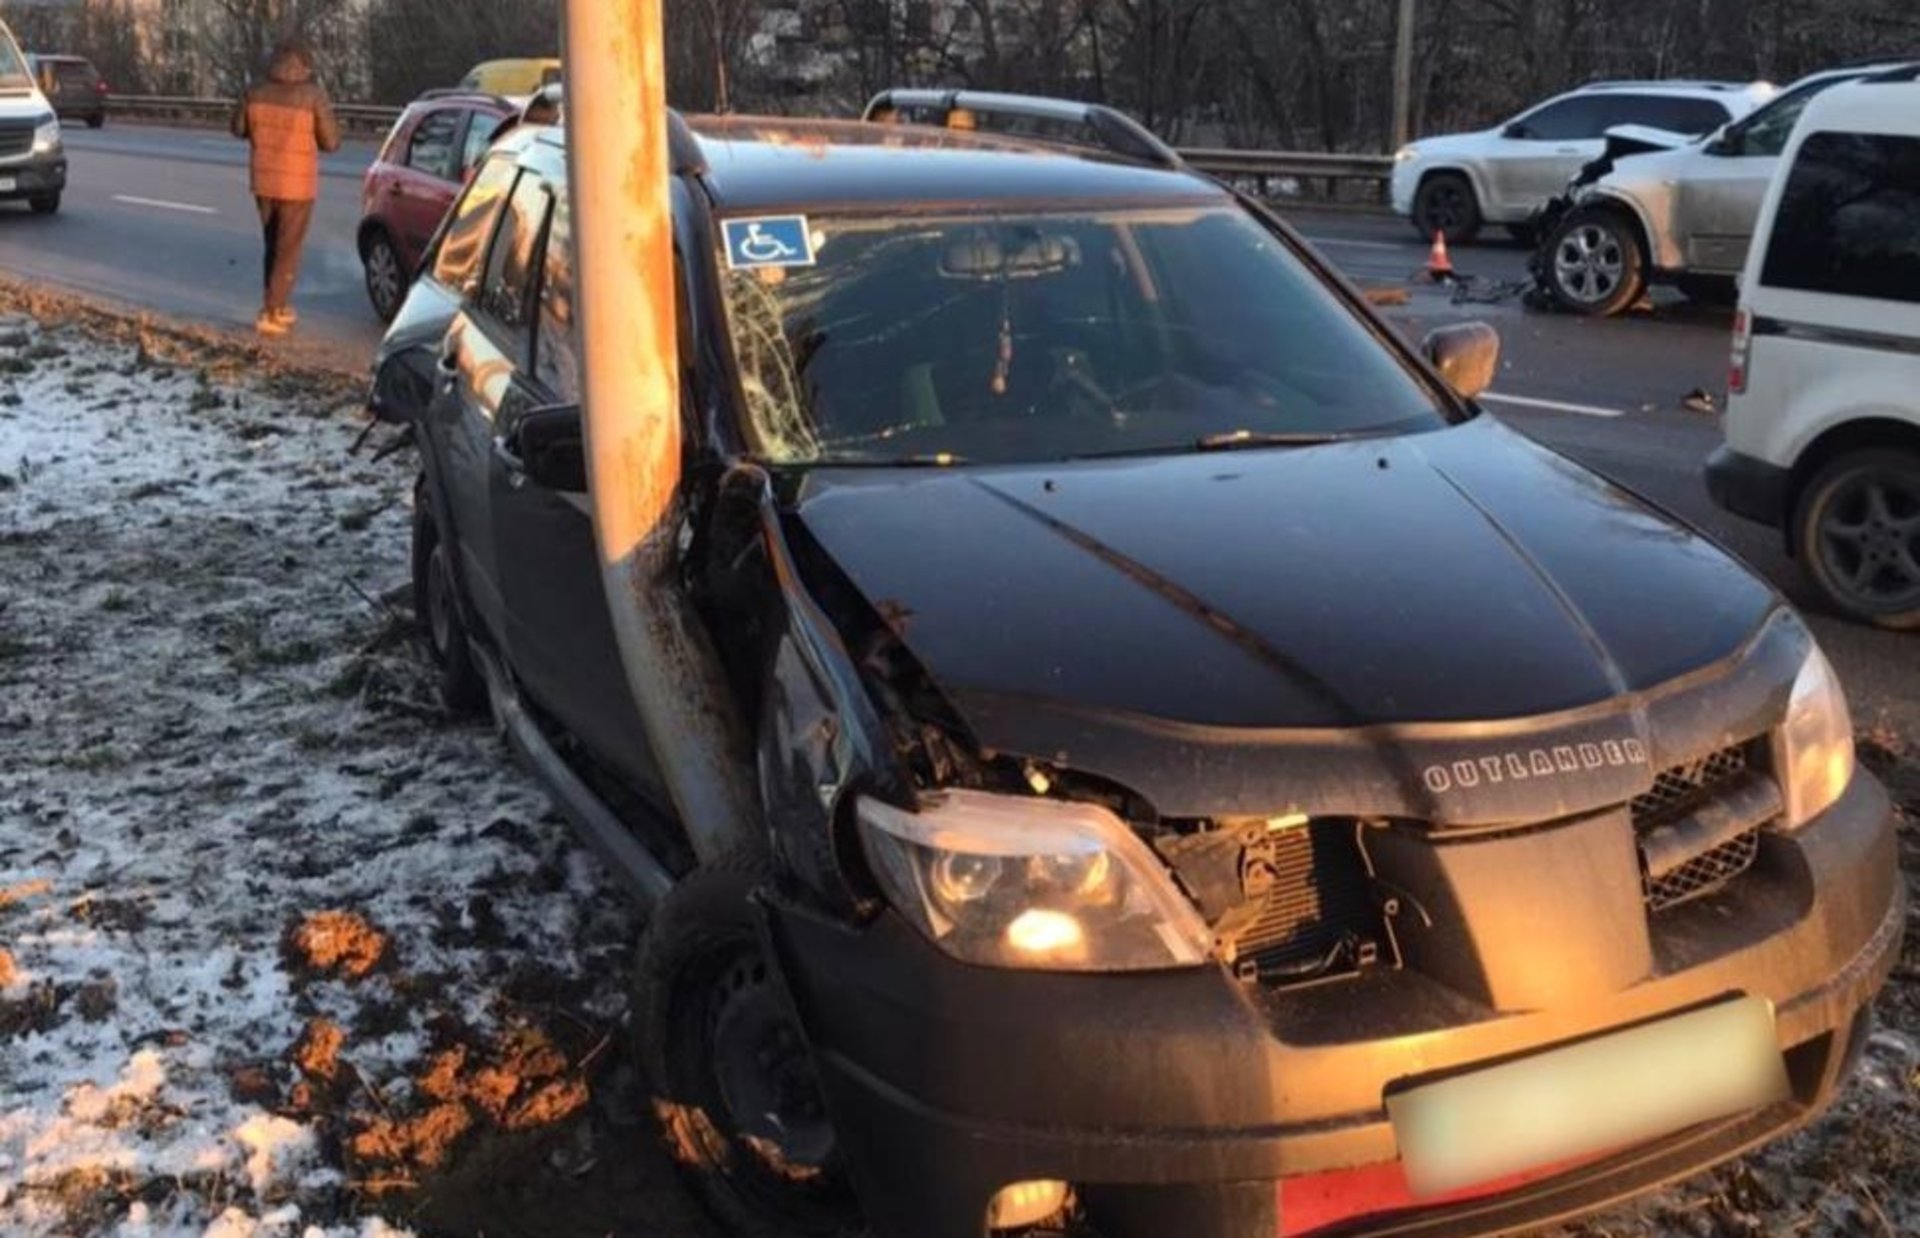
340	942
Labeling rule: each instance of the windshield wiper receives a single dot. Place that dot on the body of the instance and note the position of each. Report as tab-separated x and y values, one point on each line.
1233	440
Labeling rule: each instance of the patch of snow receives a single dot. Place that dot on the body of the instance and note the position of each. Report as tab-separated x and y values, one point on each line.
213	723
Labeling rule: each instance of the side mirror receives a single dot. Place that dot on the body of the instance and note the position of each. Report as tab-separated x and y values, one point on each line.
1466	354
403	386
552	448
1726	142
1517	130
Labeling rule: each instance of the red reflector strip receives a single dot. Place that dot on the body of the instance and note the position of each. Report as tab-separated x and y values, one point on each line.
1318	1201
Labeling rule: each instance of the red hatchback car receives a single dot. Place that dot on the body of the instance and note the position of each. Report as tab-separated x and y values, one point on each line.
420	170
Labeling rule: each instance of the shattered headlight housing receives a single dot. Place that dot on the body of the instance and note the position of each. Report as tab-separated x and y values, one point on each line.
1813	747
1030	883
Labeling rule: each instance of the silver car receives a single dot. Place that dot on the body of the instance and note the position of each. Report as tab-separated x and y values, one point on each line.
1682	217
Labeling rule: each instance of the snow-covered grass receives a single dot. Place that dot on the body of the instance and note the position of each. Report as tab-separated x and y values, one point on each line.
212	728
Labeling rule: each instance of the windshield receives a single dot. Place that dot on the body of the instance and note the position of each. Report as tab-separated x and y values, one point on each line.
1766	131
1031	337
13	69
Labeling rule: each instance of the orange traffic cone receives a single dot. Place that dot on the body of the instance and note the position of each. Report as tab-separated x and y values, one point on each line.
1439	262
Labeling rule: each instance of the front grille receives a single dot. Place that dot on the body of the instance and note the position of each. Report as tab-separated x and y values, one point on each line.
15	141
1684	788
1680	792
1704	873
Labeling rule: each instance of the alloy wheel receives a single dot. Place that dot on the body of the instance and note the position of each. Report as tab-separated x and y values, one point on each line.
439	602
1869	535
383	277
1589	263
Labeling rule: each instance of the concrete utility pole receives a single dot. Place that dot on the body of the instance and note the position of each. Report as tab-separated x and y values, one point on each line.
618	169
1403	78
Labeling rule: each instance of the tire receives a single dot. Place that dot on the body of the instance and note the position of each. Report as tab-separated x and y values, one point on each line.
44	203
711	1022
1856	531
1717	290
1595	264
1446	204
385	276
463	690
97	120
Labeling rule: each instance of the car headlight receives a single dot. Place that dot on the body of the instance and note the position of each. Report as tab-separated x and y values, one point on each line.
1032	883
46	136
1406	154
1813	749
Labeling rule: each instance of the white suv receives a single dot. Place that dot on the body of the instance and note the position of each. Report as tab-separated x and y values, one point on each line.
1823	420
1502	175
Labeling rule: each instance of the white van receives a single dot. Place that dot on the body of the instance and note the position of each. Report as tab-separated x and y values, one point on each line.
1823	418
33	163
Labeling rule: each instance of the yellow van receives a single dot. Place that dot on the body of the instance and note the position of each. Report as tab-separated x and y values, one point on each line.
512	77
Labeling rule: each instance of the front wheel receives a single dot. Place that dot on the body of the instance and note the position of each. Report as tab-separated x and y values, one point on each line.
386	281
732	1077
1857	532
44	203
1595	264
463	690
1446	204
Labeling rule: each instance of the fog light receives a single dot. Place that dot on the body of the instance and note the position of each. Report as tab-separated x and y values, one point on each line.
1026	1203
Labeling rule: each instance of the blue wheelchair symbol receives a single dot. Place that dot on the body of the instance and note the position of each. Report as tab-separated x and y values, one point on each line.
781	241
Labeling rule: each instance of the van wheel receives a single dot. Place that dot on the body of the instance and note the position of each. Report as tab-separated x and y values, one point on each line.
1595	265
1857	531
97	120
436	608
733	1079
44	203
1446	204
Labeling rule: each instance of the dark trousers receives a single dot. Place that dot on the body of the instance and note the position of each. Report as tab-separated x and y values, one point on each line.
284	224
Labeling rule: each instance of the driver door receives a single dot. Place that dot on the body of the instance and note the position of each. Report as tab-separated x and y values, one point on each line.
1543	150
558	630
1720	195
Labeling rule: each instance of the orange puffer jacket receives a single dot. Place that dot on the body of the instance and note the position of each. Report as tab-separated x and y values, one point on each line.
289	120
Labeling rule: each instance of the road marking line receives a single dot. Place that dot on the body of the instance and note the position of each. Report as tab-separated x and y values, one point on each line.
1555	406
189	207
1338	240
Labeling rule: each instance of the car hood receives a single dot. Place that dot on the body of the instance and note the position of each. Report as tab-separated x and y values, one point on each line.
1653	171
1455	144
1461	575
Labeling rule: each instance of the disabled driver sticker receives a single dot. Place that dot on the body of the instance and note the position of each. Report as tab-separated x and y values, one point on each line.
776	241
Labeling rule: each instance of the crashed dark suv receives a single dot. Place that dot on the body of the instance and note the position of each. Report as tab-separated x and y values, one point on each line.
1212	778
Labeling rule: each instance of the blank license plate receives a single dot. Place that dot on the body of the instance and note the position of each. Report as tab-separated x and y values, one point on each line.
8	184
1601	1094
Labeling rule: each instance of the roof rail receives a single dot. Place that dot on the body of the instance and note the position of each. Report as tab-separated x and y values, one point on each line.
1113	131
461	92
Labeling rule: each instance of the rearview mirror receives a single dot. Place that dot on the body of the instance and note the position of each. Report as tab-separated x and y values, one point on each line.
552	448
1466	354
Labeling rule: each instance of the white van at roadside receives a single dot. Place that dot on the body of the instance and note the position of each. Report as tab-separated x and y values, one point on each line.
1823	417
33	162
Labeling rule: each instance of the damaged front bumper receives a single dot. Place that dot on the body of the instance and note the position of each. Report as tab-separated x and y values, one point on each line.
1193	1102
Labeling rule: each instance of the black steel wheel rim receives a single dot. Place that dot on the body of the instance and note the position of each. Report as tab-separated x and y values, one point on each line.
1869	539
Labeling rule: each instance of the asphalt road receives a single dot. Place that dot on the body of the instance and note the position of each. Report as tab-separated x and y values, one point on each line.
161	219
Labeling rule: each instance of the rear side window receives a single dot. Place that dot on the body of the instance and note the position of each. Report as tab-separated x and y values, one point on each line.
431	150
1849	219
75	74
506	296
458	262
1689	116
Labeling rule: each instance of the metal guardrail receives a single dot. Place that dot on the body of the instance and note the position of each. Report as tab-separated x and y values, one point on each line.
356	119
1371	172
